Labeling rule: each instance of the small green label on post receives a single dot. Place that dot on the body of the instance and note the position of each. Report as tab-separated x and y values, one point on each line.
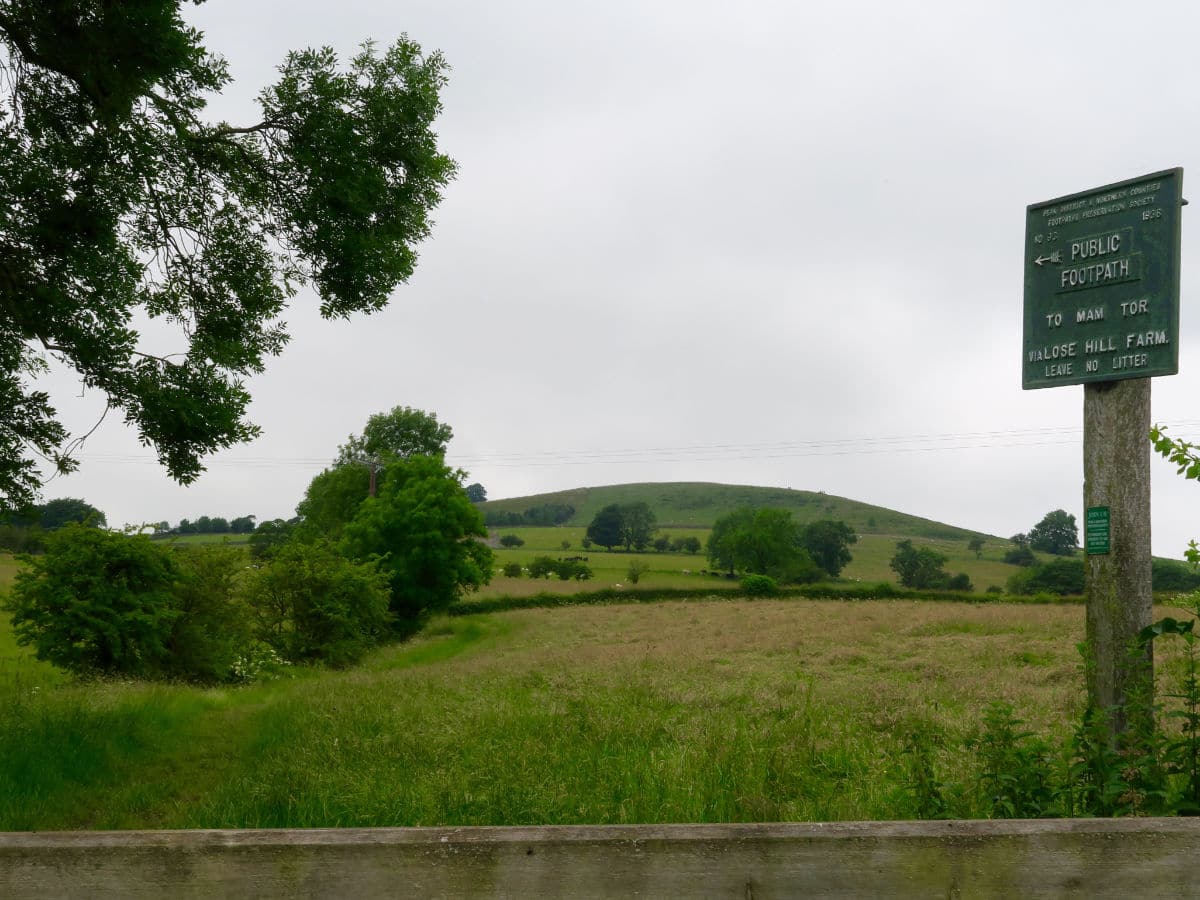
1096	531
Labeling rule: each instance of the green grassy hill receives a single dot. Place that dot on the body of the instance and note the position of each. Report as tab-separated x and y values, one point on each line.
699	504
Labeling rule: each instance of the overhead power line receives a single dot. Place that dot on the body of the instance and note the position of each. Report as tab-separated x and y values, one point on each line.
862	445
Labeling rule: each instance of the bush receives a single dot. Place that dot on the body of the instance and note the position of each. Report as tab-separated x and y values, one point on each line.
310	603
511	540
759	585
636	570
212	629
1060	576
1168	575
960	582
543	567
689	544
512	570
97	602
1020	556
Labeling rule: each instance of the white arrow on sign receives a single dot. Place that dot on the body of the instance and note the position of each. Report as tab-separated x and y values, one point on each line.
1055	257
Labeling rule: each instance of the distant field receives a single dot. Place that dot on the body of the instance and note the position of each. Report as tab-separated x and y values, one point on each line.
205	538
871	556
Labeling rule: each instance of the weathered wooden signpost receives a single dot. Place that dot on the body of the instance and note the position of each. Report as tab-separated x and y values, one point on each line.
1102	310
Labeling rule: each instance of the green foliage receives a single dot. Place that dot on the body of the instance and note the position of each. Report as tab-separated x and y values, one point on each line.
543	567
269	536
401	433
1017	777
606	527
476	493
761	542
759	586
688	544
333	498
828	543
57	513
545	514
919	568
662	543
975	545
424	528
126	202
637	526
211	631
242	525
565	569
960	582
512	570
511	540
1057	533
310	603
1020	555
97	602
1167	575
636	570
1059	576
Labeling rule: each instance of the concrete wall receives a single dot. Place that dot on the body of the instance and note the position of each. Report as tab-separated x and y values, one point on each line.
1127	858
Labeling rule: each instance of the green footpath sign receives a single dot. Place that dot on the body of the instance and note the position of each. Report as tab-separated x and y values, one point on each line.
1096	531
1102	283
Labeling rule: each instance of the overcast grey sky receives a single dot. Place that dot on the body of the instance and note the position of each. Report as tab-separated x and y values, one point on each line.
772	243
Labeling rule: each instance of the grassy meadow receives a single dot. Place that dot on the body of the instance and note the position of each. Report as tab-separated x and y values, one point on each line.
714	711
871	556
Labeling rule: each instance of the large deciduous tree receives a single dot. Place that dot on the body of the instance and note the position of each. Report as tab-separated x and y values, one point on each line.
424	528
605	528
1057	533
828	542
120	199
637	525
919	567
762	542
402	433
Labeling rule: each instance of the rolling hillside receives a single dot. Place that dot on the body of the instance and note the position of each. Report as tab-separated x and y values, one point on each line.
699	504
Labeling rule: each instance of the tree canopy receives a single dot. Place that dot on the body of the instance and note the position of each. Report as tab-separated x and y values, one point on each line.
828	542
402	432
424	529
761	542
120	199
919	567
1057	533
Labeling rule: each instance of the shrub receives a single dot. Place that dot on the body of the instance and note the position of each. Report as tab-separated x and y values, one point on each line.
512	570
511	540
566	569
543	567
960	582
689	544
1020	556
310	603
759	585
1060	576
212	630
1168	575
636	570
97	602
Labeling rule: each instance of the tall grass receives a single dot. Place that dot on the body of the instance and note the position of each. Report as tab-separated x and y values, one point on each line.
671	712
